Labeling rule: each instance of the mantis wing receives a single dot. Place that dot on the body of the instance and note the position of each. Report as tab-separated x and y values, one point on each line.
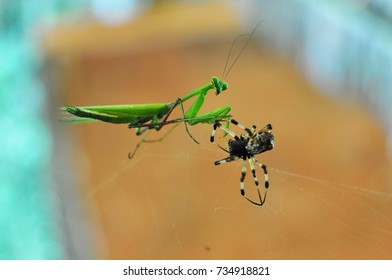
133	114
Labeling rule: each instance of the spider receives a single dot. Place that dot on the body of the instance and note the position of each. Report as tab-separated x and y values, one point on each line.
245	147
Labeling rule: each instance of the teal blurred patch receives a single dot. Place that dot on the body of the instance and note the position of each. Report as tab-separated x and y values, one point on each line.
29	225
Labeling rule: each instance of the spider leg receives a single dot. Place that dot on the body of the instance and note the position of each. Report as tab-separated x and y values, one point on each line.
226	130
249	131
252	168
228	159
217	124
264	167
242	178
266	182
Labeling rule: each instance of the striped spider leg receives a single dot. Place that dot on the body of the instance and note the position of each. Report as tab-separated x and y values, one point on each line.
245	147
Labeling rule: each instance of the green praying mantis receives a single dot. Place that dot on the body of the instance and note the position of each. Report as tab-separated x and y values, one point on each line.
145	117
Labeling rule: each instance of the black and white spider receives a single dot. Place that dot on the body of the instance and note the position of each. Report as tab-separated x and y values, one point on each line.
245	147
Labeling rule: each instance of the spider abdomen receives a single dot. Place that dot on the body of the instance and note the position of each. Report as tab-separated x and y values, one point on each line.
260	144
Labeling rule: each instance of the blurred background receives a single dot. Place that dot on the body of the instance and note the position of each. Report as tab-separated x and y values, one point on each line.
319	71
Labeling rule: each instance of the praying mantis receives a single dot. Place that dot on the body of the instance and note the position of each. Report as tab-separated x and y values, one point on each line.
145	117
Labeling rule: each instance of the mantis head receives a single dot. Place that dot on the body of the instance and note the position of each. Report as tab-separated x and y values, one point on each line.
219	85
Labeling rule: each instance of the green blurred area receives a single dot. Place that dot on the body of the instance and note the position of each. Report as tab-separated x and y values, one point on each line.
29	226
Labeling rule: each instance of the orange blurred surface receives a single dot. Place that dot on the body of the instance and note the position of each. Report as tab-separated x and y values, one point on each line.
171	202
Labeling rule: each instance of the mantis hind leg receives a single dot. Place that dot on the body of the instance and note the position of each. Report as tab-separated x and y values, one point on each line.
164	119
145	140
212	116
185	122
157	124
